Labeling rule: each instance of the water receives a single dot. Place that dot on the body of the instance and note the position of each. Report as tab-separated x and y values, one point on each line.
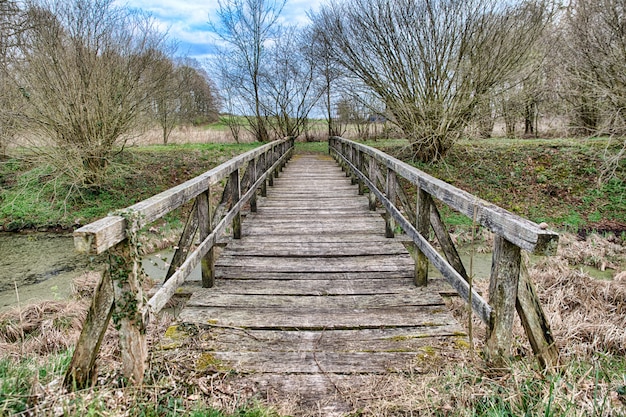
41	265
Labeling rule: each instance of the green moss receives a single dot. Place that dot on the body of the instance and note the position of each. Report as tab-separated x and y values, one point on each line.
174	338
208	362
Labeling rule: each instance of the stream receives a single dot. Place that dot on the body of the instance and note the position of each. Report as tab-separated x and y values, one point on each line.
42	266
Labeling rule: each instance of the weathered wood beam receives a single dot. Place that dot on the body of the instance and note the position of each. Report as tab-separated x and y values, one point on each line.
236	196
535	322
445	241
372	168
505	272
185	241
390	191
205	227
127	316
422	225
80	373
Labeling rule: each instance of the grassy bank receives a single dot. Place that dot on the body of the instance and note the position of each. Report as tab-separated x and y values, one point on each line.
559	181
556	181
34	196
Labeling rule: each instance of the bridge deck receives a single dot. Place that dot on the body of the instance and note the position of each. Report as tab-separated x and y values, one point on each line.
314	297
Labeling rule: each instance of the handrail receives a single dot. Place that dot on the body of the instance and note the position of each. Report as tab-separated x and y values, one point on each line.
522	232
510	288
105	233
119	293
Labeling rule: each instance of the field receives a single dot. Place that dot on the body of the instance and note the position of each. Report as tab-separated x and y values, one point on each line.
558	181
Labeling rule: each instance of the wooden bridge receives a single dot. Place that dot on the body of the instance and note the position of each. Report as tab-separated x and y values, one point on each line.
314	291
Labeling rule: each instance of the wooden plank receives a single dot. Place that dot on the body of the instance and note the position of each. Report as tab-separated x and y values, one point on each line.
81	373
185	241
311	286
317	319
535	322
405	298
403	339
238	273
315	249
368	263
522	232
316	362
311	239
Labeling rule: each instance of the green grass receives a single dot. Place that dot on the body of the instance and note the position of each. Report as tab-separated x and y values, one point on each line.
35	196
17	377
551	180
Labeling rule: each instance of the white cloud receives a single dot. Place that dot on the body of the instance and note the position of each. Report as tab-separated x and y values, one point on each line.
188	20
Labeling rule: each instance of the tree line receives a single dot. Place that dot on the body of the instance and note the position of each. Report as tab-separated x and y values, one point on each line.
78	78
82	74
435	70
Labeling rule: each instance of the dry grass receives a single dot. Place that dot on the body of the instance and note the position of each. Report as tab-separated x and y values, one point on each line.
588	318
188	135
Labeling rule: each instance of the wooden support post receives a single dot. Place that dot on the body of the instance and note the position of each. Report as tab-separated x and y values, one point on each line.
535	322
390	191
275	158
352	157
445	241
184	243
125	271
81	372
264	167
422	225
372	176
205	227
361	167
236	195
254	175
505	272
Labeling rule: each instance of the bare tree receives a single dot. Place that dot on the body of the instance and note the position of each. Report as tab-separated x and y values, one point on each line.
327	72
431	61
199	99
165	98
12	23
83	72
595	58
289	90
246	26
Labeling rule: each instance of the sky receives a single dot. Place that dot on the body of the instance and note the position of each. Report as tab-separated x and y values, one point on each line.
187	20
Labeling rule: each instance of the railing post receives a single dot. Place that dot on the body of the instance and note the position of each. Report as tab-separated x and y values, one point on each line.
270	162
275	158
423	227
360	166
127	288
372	176
205	226
263	165
235	183
391	196
505	272
254	174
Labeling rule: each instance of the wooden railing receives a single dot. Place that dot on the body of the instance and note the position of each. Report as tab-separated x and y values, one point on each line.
119	294
510	288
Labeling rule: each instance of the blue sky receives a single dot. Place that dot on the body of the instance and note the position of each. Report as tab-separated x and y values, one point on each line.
187	20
